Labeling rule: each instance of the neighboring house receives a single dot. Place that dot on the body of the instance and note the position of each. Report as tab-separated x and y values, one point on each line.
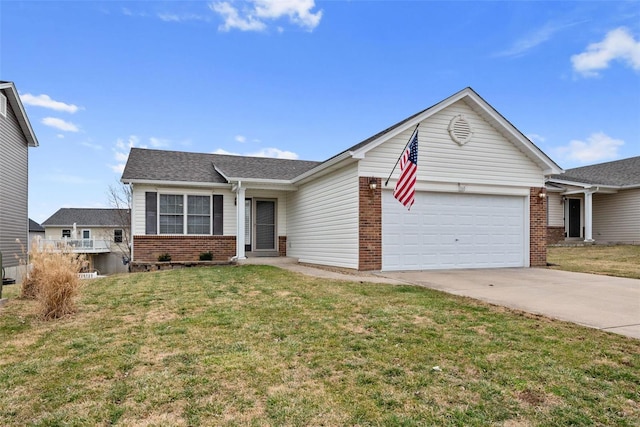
36	232
101	234
479	203
598	203
16	136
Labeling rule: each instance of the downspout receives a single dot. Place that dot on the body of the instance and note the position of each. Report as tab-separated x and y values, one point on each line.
240	213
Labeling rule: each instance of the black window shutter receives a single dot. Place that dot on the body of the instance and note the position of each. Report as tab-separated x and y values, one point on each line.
151	211
217	214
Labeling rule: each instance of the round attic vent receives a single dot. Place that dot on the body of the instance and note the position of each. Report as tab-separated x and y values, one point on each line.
460	129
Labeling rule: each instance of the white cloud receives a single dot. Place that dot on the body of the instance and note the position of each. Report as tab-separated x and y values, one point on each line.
265	152
92	146
618	44
173	17
60	124
241	139
597	147
232	18
121	152
45	101
534	39
253	14
158	142
275	153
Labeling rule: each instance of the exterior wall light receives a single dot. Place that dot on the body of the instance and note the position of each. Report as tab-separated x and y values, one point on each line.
373	184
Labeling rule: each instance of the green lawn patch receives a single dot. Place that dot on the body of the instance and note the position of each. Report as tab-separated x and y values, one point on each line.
256	345
614	260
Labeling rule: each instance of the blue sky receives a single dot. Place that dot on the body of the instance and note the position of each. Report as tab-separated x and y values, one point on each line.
304	79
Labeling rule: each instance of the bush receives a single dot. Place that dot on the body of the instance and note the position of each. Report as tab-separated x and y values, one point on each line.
206	256
53	281
164	257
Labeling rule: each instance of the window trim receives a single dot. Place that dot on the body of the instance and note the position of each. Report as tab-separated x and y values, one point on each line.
185	212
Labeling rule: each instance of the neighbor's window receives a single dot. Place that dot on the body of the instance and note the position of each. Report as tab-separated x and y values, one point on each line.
66	233
117	236
198	214
171	214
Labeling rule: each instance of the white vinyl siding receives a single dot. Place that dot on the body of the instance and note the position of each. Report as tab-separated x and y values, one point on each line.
555	210
488	158
322	222
14	223
616	217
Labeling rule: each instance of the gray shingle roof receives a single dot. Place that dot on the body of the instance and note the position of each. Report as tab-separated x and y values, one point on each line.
145	164
619	173
34	227
65	217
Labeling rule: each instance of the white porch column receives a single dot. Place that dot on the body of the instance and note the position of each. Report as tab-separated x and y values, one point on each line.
240	212
588	216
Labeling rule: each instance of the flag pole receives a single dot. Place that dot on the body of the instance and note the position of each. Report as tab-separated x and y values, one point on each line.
401	154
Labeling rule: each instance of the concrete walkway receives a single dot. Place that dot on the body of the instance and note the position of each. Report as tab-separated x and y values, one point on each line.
601	302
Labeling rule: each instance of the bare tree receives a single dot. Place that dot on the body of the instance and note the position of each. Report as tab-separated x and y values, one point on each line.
119	198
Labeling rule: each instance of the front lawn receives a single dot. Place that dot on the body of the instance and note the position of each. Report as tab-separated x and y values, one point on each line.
616	260
256	345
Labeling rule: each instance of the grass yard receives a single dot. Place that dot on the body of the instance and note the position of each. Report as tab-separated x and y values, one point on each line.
255	345
617	260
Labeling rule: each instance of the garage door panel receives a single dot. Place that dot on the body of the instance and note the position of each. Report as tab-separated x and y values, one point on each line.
453	231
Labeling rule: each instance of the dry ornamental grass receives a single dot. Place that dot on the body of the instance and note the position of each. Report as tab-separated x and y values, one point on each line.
53	281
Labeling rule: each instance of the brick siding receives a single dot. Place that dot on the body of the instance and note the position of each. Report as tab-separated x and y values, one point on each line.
282	245
370	225
555	235
538	228
182	248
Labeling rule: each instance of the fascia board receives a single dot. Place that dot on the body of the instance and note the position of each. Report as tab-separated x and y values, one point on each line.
175	183
16	104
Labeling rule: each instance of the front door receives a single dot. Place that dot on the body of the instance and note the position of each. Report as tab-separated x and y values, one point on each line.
265	231
574	218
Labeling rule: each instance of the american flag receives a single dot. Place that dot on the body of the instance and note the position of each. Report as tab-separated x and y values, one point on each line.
405	190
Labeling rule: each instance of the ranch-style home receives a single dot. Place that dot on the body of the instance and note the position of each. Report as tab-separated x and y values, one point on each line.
597	203
480	199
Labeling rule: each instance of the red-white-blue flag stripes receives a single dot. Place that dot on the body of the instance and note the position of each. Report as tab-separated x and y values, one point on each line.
405	190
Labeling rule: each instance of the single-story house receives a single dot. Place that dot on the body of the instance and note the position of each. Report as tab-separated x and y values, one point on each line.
16	137
101	234
598	203
480	199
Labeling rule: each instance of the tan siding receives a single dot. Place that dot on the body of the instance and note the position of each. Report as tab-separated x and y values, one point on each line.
488	158
616	217
322	225
555	210
13	189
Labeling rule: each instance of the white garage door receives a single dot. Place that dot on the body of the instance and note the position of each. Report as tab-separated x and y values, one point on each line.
445	231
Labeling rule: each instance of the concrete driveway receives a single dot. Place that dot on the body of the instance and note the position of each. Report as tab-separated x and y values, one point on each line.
601	302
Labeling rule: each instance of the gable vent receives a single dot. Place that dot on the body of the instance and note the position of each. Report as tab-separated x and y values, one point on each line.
460	129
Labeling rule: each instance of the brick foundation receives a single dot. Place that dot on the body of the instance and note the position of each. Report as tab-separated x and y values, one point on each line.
555	235
282	245
182	248
370	225
537	228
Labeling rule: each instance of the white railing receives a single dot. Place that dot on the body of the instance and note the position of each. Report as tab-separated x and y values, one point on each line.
85	276
77	245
